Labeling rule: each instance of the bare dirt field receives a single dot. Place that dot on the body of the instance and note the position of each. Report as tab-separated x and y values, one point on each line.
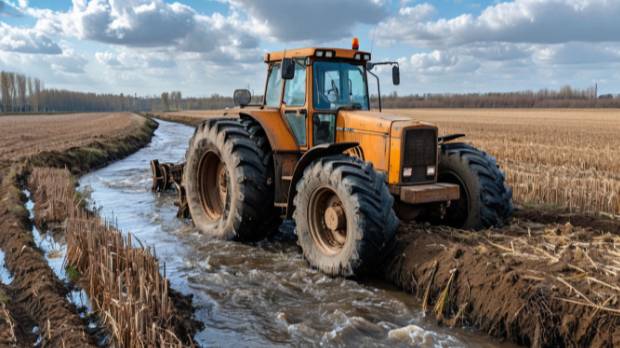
24	136
564	159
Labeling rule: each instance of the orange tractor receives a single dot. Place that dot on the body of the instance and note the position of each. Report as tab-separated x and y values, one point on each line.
314	151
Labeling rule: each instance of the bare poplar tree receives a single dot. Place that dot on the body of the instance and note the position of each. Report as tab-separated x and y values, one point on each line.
30	94
21	92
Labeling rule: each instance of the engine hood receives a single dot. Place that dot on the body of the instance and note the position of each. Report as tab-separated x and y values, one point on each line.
376	122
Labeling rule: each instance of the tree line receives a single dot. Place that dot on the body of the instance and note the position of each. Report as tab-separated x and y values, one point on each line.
22	94
565	97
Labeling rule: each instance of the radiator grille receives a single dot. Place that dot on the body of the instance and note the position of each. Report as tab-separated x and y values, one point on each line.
419	152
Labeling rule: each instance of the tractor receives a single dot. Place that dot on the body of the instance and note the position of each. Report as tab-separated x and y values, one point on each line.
314	151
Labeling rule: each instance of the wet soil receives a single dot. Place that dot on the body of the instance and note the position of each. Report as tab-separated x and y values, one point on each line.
531	284
15	324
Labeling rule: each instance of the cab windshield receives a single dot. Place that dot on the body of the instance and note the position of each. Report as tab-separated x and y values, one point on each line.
339	85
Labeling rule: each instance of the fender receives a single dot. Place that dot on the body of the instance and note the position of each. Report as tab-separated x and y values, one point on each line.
309	157
446	138
278	133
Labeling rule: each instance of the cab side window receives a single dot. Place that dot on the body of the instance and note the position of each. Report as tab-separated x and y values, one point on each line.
274	87
295	89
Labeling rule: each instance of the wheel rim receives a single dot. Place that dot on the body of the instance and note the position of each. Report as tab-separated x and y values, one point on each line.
458	211
328	221
214	185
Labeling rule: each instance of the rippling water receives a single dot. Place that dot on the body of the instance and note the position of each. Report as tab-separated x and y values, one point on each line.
262	294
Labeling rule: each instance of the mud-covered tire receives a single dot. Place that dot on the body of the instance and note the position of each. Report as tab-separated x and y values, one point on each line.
247	195
257	134
486	200
367	204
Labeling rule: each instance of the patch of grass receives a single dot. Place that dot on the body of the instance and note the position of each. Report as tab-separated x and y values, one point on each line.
72	274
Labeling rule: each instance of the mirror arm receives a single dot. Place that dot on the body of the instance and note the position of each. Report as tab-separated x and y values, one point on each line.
378	87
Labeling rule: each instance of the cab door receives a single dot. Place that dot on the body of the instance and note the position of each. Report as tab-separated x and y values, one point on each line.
294	104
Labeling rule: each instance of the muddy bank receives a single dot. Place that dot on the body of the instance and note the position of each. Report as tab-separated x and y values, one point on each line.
82	159
15	324
36	287
531	284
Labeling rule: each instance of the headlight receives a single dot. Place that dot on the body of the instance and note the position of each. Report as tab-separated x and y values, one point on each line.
430	171
407	171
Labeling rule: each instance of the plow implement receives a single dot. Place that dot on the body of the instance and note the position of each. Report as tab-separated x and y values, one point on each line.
166	177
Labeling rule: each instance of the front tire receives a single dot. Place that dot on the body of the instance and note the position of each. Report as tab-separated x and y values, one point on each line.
486	200
343	215
226	181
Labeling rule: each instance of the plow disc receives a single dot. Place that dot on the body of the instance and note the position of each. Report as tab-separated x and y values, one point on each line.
167	176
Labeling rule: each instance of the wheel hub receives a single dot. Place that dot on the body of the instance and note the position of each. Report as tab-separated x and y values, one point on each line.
327	221
214	181
334	218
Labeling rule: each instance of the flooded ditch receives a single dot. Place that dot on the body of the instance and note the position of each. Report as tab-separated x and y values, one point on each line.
262	294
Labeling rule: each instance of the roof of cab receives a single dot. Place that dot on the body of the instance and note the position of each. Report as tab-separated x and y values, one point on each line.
309	52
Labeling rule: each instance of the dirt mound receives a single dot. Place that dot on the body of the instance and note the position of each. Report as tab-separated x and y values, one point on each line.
531	284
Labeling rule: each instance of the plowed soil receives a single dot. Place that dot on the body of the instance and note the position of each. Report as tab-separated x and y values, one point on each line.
24	136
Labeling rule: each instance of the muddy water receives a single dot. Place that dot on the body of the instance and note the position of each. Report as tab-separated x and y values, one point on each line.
262	294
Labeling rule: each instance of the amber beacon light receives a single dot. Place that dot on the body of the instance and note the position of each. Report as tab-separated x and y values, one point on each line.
355	44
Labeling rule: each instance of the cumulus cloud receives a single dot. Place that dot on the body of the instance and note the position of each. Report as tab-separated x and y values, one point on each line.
134	23
295	20
441	62
145	61
68	62
577	53
524	21
151	24
23	40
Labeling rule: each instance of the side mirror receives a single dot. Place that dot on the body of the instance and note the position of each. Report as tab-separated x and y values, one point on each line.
288	69
242	97
395	75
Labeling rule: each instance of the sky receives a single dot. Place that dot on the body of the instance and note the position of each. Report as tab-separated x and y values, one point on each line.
203	47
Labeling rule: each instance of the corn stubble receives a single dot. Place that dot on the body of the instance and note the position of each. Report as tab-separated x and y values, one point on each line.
123	281
124	284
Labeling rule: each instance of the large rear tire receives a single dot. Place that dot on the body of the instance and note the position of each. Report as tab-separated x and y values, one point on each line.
486	200
343	215
226	181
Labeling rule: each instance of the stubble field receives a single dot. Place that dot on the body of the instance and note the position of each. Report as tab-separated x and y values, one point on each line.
567	159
